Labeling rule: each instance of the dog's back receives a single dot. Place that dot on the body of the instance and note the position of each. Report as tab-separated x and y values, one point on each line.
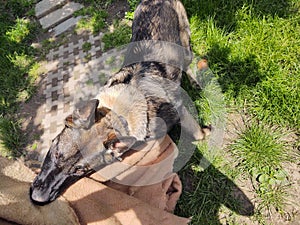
156	20
160	31
139	103
164	23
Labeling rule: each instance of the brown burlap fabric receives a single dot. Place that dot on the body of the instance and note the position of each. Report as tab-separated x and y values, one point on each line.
98	200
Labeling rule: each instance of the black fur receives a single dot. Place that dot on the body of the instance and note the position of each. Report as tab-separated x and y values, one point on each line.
95	135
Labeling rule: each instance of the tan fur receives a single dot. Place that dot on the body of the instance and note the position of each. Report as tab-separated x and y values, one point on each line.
121	100
140	103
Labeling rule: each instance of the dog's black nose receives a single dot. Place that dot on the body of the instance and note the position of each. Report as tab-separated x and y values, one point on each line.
35	199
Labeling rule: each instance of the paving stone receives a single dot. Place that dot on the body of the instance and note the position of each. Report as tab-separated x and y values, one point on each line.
53	127
60	15
52	64
46	6
67	83
66	25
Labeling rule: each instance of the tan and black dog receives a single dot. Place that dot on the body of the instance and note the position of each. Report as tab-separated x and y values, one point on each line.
141	102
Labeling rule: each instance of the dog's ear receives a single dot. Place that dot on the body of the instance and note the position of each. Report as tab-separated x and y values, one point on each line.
120	144
84	115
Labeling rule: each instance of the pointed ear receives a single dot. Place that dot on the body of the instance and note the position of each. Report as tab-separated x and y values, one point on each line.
84	115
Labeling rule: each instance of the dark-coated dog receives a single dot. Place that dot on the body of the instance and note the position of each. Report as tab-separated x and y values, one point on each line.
141	102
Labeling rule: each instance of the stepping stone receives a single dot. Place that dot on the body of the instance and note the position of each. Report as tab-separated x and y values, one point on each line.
64	26
60	15
47	6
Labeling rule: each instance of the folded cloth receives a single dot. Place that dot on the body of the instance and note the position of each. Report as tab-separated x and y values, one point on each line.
151	178
97	204
149	164
117	202
91	202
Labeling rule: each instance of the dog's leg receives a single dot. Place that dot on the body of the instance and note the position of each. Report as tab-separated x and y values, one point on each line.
190	125
185	33
123	76
184	26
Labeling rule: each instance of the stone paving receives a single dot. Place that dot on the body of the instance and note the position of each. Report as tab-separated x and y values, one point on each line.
56	16
75	71
73	75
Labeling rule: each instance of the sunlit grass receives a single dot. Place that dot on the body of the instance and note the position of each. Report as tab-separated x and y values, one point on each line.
253	49
18	71
120	35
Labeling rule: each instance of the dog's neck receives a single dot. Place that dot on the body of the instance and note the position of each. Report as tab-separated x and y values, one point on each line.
121	99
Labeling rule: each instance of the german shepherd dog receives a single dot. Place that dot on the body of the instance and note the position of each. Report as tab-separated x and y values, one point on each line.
139	103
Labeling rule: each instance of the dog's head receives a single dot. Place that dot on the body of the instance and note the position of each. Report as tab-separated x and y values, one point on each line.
87	143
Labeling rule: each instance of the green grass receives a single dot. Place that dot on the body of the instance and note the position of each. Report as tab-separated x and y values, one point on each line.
11	137
86	46
18	70
259	148
256	59
132	5
260	152
120	35
94	15
93	19
253	50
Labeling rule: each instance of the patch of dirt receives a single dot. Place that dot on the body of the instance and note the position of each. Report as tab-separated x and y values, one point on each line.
291	215
117	10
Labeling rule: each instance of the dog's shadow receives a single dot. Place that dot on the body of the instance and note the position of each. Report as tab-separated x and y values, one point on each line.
205	193
206	189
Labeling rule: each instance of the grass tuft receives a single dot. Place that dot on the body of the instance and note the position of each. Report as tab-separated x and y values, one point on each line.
19	31
11	138
120	35
93	19
260	148
260	152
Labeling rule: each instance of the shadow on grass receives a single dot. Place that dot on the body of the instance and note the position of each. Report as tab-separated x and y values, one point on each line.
206	188
235	74
16	81
205	192
224	12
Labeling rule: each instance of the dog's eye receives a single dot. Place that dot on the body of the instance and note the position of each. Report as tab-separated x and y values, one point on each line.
105	144
79	170
56	155
109	144
59	158
78	167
